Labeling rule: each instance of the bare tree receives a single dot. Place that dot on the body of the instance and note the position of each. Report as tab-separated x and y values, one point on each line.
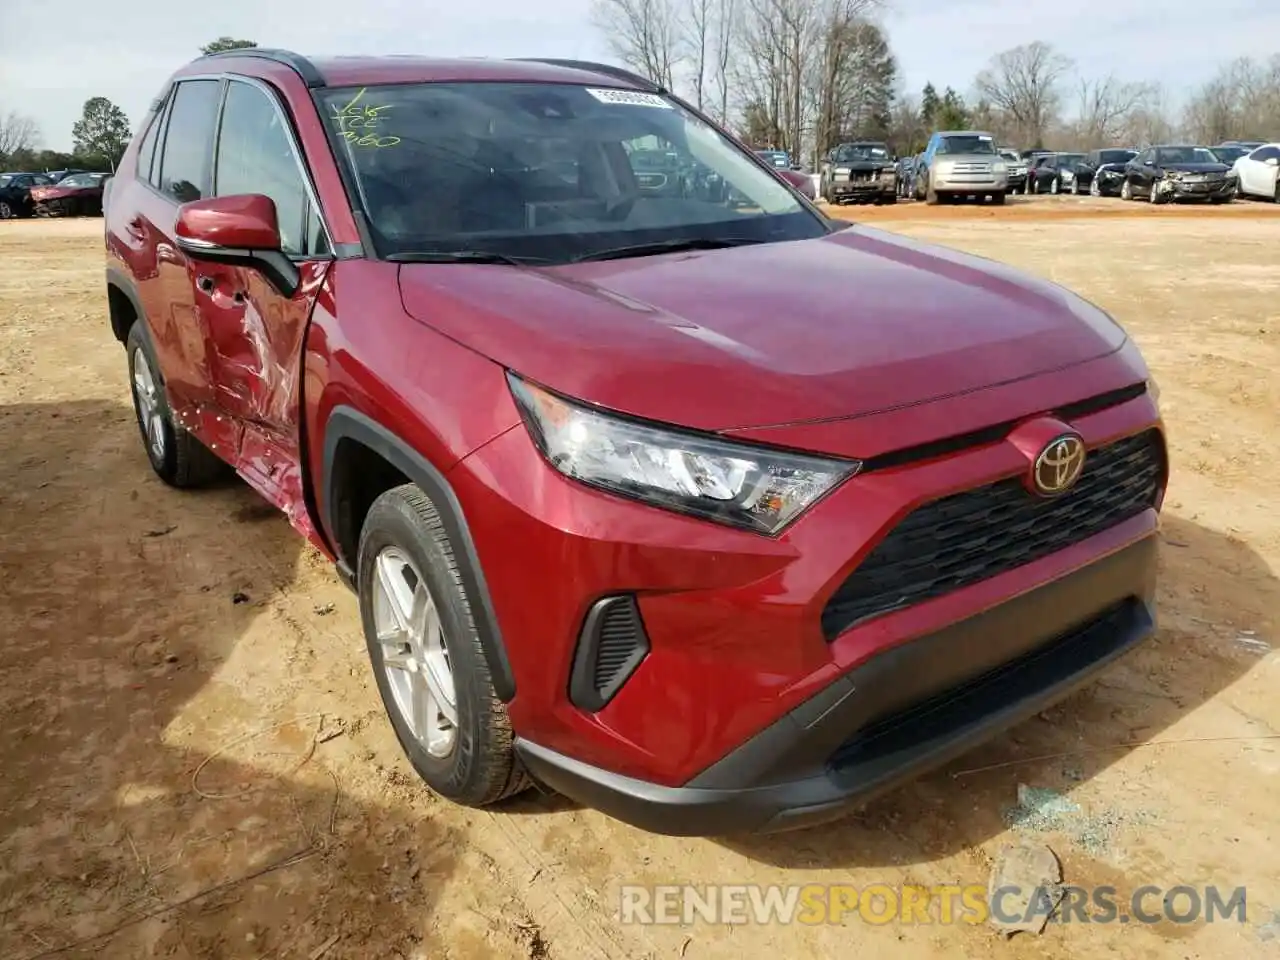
644	34
17	132
1105	108
1242	102
724	47
1024	83
697	25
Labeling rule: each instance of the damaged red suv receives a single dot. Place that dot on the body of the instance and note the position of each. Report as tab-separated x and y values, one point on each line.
665	492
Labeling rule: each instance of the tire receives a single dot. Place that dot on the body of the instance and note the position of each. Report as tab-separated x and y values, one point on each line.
931	195
405	551
1075	188
1154	196
1126	190
1054	186
176	456
1094	189
7	211
998	199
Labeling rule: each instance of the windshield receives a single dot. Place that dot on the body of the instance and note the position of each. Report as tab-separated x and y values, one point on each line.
1229	154
848	152
1069	159
1115	156
1185	155
966	143
5	178
548	172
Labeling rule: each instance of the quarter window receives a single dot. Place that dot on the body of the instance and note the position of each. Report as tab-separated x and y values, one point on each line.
184	168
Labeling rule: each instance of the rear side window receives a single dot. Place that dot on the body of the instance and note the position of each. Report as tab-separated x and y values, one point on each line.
1266	153
147	151
184	168
255	155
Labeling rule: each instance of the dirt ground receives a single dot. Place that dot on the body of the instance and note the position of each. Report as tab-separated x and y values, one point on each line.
195	763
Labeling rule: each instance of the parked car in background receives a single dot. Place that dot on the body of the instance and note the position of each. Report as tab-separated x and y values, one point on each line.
776	158
1258	173
1017	169
906	175
1229	153
1034	164
15	193
56	176
1102	171
1178	172
638	502
962	163
861	171
1247	145
1056	173
79	194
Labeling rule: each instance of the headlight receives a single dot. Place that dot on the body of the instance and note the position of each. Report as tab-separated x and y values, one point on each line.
842	170
999	167
741	485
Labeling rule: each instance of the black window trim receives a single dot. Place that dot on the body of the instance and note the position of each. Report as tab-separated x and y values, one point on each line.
170	96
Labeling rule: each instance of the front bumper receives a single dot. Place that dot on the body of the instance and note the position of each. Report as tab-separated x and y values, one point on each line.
880	185
1195	190
735	623
899	714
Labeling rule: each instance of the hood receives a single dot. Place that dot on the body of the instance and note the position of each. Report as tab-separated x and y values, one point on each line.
54	191
848	324
1196	167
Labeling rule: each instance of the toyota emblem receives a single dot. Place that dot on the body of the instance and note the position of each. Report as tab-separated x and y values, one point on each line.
1058	466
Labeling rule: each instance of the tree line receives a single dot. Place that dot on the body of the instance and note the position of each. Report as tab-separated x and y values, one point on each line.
804	75
99	138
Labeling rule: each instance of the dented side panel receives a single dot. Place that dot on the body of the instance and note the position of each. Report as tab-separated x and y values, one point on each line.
253	339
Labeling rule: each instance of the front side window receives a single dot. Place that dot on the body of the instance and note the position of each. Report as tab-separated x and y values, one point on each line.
548	172
1263	154
184	166
255	155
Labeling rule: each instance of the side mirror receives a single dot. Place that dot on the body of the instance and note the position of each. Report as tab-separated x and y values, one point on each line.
239	230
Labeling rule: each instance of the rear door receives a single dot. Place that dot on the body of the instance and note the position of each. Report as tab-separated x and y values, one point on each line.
178	168
253	333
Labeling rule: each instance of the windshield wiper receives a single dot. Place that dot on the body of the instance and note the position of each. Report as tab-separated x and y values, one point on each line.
666	246
459	256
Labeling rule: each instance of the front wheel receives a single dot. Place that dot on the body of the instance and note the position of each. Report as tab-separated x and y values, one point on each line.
998	198
1126	190
1075	188
177	457
427	655
1094	189
7	211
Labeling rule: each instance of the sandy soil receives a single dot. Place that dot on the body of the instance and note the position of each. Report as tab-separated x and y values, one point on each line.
194	755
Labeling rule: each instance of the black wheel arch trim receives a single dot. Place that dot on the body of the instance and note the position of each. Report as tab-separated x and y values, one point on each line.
346	423
121	281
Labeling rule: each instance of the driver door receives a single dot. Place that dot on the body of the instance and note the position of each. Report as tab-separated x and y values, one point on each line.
254	333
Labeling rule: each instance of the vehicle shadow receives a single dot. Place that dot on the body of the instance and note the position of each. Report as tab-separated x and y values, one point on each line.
150	805
1186	664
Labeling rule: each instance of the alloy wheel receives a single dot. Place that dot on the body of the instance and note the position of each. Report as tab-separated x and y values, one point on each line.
150	413
6	211
414	656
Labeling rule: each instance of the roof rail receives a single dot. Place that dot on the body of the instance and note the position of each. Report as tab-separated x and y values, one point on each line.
294	61
608	70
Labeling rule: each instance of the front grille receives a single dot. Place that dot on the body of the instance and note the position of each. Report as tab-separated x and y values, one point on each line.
971	536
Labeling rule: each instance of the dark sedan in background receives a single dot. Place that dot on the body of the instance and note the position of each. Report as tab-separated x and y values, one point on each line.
1056	173
15	193
1102	172
1179	172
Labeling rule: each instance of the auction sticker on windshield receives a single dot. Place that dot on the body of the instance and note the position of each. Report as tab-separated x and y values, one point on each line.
633	97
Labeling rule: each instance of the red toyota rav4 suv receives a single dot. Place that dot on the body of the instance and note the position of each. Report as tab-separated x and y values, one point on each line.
714	514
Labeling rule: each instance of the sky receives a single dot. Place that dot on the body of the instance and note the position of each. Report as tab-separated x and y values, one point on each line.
50	64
